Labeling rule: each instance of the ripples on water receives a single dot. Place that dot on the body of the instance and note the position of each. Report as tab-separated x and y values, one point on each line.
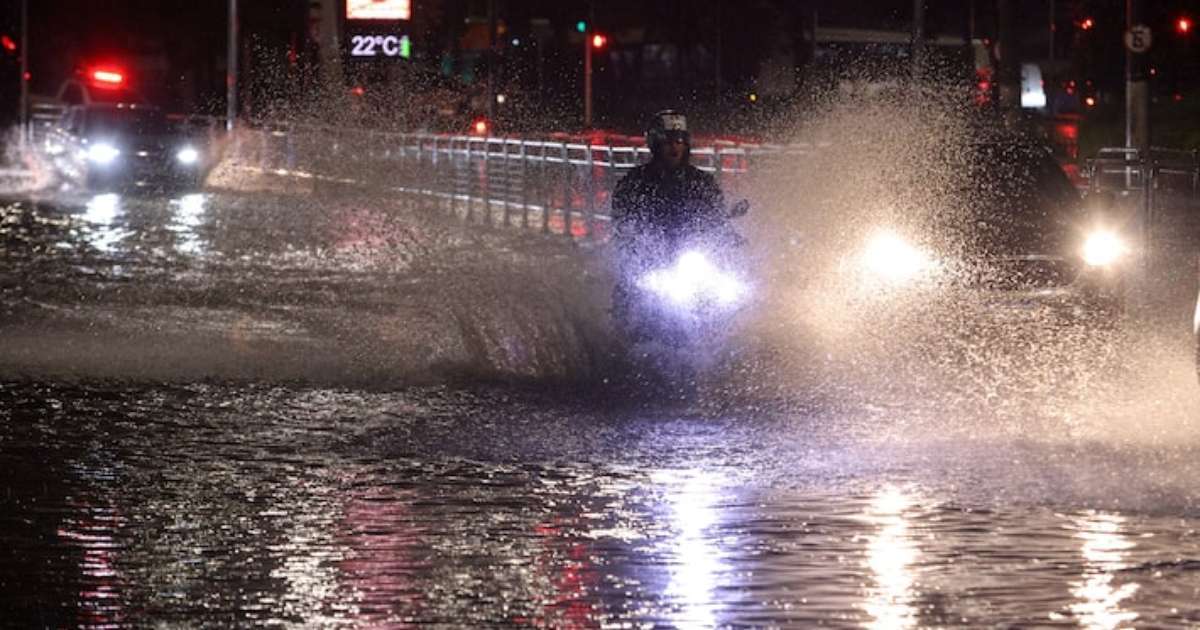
129	501
243	505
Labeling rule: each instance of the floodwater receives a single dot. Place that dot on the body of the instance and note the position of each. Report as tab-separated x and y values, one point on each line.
250	410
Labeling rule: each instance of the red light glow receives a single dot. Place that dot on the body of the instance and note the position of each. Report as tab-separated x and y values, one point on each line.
480	126
8	43
1183	25
1090	101
599	41
1087	24
108	78
358	90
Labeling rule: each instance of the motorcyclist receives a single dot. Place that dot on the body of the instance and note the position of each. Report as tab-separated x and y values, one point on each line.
667	198
660	206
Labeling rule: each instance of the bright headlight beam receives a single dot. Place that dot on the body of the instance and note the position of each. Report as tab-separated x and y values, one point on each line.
1103	248
891	257
103	153
188	155
693	277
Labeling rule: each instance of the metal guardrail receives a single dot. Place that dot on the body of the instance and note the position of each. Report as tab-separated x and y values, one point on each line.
554	186
1161	188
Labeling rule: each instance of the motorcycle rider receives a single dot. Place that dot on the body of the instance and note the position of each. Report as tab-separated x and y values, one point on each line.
667	198
658	206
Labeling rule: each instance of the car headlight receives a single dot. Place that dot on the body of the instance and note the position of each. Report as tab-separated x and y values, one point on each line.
102	153
188	156
1103	248
892	258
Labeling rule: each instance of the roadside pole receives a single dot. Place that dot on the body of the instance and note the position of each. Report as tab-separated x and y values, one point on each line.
23	119
1008	73
231	69
587	66
1138	40
491	64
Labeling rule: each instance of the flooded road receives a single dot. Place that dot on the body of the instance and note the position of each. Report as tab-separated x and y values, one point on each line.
237	410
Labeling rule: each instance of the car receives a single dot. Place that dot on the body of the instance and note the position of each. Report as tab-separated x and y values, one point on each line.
982	247
103	146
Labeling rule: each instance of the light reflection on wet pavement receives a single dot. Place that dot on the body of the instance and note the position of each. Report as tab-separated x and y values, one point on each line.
208	497
245	505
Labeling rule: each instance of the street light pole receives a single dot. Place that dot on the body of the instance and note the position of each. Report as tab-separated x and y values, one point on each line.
587	79
24	115
1137	88
491	63
231	69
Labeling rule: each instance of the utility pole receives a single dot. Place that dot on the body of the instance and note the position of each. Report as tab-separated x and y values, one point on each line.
1137	87
1052	27
587	67
1008	71
24	115
491	63
918	39
231	69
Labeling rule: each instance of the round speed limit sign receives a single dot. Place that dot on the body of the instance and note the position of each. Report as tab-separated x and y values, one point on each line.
1138	38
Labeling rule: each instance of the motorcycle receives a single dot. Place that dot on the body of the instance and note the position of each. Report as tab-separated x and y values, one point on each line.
675	300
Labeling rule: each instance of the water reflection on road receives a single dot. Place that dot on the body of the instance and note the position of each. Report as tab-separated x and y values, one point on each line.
259	506
203	422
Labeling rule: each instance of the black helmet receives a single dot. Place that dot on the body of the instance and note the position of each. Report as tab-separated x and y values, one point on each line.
667	125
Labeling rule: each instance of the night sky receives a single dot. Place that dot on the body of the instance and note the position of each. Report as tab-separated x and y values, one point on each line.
178	46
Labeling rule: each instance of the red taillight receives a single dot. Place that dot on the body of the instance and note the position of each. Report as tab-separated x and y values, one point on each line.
108	78
358	90
8	43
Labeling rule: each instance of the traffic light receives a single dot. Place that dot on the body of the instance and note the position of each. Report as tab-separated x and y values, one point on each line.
1183	25
599	41
1087	24
581	26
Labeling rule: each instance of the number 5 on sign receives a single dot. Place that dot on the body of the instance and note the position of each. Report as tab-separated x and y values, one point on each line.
1138	38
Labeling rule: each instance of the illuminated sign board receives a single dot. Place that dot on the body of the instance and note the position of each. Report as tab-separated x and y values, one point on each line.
380	46
378	9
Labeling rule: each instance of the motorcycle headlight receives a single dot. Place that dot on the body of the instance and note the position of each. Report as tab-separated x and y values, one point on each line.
188	155
694	278
892	258
102	153
1103	248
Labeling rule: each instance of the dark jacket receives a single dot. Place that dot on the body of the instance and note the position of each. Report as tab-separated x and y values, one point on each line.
653	202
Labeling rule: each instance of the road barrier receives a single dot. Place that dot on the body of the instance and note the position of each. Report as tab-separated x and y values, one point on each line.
1160	188
554	186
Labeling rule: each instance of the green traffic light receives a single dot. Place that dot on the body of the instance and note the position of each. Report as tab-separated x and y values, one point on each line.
581	26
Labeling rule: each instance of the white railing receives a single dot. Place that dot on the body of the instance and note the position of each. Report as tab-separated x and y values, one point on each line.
554	186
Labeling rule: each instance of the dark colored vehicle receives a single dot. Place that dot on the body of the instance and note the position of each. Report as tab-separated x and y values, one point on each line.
106	146
991	234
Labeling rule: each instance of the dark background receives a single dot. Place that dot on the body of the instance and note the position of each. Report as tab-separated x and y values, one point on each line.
707	57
